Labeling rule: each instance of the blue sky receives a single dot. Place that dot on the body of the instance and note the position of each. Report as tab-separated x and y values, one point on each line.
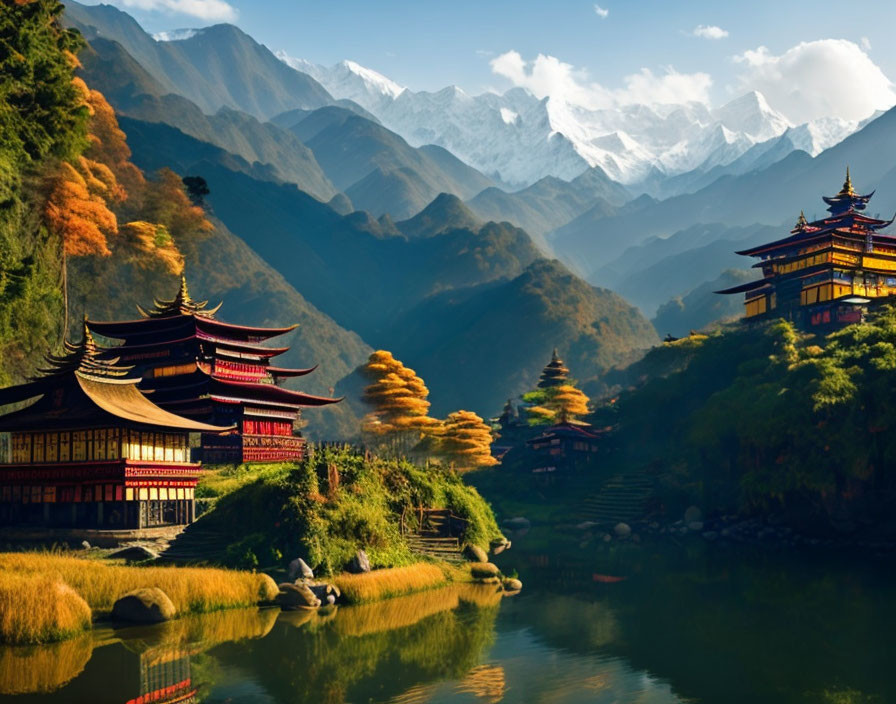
428	45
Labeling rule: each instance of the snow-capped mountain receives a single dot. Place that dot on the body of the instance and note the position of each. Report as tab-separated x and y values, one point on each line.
519	138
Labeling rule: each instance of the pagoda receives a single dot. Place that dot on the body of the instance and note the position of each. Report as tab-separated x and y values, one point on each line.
91	451
215	372
554	374
826	273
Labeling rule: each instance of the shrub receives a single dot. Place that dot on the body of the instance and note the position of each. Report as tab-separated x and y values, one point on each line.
380	584
36	608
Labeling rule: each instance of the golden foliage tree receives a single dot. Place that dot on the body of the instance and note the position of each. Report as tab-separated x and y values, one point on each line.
397	396
556	404
76	208
465	441
150	244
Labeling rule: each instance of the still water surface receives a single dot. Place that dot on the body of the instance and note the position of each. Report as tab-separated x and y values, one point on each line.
690	623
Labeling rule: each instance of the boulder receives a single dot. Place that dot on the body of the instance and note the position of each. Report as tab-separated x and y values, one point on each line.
622	530
518	523
512	585
323	591
359	563
484	570
267	588
693	514
299	568
134	553
85	545
296	596
499	545
474	553
148	605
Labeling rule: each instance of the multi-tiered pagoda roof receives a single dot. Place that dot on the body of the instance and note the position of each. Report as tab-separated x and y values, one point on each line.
208	369
827	271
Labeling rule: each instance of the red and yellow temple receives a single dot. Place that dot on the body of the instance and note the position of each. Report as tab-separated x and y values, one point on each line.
91	451
215	372
827	272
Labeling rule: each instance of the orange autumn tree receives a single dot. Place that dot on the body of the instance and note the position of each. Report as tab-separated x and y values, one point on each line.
399	418
465	441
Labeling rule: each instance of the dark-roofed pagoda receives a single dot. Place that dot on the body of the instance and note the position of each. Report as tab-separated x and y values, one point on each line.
91	451
215	372
554	374
826	273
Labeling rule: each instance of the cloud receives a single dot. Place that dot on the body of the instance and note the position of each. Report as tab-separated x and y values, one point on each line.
211	10
601	12
826	77
549	76
709	31
865	43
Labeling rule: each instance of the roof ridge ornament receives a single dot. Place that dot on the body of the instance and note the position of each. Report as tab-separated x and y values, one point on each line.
84	358
847	189
182	304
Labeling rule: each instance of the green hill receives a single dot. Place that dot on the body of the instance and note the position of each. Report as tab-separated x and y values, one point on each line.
702	306
446	212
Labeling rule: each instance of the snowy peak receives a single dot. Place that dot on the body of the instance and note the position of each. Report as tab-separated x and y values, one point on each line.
519	138
751	115
175	35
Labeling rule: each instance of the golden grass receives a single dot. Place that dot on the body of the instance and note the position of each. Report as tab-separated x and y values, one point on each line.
36	608
28	669
403	611
381	584
99	584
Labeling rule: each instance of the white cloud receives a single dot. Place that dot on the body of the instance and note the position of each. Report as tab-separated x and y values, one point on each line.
709	31
865	43
601	12
823	78
211	10
549	76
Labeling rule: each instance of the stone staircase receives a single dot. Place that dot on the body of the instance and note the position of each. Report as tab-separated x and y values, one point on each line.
622	498
196	545
437	536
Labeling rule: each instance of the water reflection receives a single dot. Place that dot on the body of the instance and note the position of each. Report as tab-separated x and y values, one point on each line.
682	626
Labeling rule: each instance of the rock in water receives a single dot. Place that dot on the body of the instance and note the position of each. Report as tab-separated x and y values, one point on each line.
474	553
518	523
149	605
512	585
134	553
484	570
299	568
359	563
499	545
622	530
296	596
693	514
85	545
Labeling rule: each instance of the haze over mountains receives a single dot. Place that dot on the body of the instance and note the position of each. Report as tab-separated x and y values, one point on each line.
383	217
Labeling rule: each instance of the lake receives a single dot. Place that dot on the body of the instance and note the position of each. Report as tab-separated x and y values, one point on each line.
650	623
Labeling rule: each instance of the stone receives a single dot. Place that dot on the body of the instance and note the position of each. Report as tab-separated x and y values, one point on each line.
296	596
267	588
85	545
517	523
299	568
693	514
622	530
484	570
512	585
323	591
148	605
499	545
607	538
474	553
359	563
586	525
695	526
134	553
331	599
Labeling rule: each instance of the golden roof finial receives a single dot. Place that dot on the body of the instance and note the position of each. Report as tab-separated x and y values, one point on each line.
802	222
183	294
87	340
847	189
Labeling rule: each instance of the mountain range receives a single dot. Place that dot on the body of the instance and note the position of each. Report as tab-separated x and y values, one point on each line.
519	138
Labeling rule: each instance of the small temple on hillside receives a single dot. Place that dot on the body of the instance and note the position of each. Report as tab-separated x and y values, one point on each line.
826	273
92	451
207	370
554	374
